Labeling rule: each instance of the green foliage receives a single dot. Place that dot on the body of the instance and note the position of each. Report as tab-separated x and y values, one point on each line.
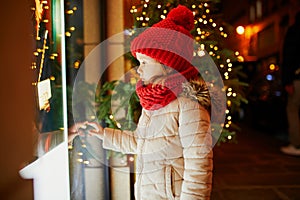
115	97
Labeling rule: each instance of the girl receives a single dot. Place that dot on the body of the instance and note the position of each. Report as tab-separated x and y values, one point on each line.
173	140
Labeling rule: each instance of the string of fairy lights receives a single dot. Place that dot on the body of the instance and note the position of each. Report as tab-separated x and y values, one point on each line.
40	9
205	26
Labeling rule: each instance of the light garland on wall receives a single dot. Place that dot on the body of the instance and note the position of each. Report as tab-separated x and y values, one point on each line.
40	11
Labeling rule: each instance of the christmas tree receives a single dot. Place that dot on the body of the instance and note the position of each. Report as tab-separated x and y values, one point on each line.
210	34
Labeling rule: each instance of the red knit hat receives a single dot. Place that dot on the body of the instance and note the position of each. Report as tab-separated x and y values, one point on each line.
170	41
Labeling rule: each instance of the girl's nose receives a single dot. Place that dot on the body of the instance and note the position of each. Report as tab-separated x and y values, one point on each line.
139	69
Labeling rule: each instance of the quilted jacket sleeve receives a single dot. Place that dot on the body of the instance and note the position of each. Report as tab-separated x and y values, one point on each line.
121	141
195	136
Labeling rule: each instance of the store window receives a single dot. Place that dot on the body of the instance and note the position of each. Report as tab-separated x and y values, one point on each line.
48	79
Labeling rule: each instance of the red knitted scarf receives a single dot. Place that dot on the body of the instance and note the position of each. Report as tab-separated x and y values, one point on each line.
158	96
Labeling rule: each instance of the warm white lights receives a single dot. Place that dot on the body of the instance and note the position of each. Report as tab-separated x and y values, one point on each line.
240	30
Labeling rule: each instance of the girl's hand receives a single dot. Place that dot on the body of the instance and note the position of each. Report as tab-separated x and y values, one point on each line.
76	130
92	128
77	126
96	130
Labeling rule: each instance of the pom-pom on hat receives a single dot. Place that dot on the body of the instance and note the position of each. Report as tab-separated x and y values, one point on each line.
170	41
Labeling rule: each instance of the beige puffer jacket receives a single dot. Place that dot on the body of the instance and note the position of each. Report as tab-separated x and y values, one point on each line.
174	151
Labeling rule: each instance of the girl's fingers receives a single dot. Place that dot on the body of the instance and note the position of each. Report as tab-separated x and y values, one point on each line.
94	125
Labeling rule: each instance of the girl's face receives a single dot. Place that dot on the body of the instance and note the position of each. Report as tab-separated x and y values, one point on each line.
149	67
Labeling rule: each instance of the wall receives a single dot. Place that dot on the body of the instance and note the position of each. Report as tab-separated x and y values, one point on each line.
15	105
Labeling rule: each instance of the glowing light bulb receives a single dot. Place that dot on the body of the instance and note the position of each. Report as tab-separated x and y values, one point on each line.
240	58
229	103
86	162
201	53
240	30
68	34
272	67
119	125
69	12
131	158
